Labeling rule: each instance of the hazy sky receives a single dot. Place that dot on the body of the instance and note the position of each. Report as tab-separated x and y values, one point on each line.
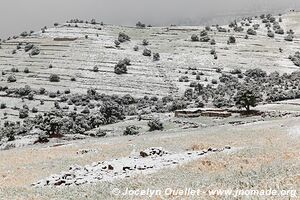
19	15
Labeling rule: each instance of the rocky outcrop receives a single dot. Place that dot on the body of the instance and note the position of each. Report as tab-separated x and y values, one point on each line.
148	161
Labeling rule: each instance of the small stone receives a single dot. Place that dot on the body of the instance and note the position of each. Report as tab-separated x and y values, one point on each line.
80	181
110	167
126	168
59	182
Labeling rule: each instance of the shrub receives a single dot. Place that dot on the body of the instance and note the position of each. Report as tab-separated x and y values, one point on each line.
156	56
167	99
255	26
23	113
178	104
28	47
255	73
279	31
34	110
203	33
52	95
188	93
195	38
296	58
231	40
199	104
26	70
205	38
112	111
93	21
24	34
67	91
54	127
117	43
42	91
123	37
140	25
95	69
218	70
193	84
145	42
131	130
86	110
214	81
155	124
183	79
147	52
128	99
250	31
35	51
220	102
289	38
121	67
101	133
54	78
212	51
127	61
236	71
221	29
14	69
212	41
2	105
238	29
43	138
11	78
73	79
136	48
270	34
30	96
56	105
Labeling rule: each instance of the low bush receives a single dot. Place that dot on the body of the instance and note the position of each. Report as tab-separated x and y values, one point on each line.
121	66
2	105
26	70
11	78
147	52
195	38
54	78
23	113
155	124
131	130
156	56
123	37
145	42
95	69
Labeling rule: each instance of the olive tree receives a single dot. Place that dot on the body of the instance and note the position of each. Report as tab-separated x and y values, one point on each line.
247	97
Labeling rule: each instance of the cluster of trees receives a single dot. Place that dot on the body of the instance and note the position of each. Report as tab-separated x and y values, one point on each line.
91	110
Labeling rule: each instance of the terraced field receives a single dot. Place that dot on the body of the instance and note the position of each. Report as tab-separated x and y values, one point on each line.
77	56
264	146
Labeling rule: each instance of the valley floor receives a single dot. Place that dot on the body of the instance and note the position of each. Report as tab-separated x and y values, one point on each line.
264	155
